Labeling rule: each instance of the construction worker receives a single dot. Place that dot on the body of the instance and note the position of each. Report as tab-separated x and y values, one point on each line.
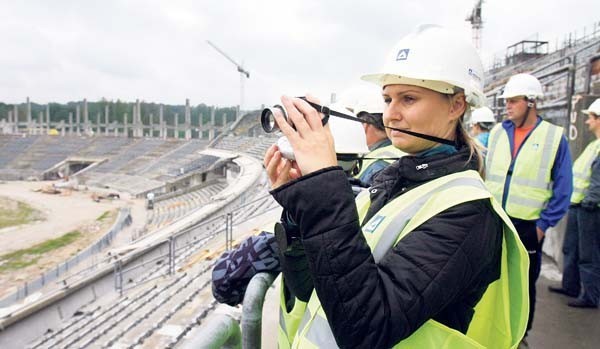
582	242
528	170
482	121
369	106
426	258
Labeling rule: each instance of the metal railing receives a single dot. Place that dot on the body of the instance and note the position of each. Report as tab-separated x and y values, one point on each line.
163	259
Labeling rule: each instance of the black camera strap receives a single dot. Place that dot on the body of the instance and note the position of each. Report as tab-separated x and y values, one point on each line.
327	112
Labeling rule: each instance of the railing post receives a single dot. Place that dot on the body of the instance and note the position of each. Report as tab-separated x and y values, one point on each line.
119	277
252	309
228	231
171	256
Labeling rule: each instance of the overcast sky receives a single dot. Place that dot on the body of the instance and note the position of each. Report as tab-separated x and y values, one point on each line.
63	50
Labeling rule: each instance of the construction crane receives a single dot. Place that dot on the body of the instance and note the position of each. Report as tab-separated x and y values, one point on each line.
476	24
244	74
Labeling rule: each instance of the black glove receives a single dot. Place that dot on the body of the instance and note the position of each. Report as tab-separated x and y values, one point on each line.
589	205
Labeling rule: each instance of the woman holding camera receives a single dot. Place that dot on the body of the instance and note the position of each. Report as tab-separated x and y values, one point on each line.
426	258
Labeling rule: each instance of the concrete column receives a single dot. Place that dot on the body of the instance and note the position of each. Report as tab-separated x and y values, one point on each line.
152	125
98	123
106	120
10	122
188	120
29	126
78	119
61	125
115	128
139	127
16	117
200	126
86	117
48	123
133	120
211	130
125	122
40	123
224	121
70	123
176	126
163	126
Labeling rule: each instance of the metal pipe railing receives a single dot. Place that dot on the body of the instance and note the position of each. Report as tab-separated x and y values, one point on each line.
252	309
222	331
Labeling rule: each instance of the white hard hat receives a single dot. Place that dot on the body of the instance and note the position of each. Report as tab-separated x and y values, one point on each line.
593	108
348	136
483	114
435	58
523	85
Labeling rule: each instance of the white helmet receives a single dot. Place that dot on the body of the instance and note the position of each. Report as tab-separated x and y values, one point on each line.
348	136
483	114
437	59
523	85
593	108
364	98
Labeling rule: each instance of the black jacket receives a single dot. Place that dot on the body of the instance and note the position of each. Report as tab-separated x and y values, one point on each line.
439	271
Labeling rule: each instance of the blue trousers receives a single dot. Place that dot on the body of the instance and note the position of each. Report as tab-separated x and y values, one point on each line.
581	249
528	234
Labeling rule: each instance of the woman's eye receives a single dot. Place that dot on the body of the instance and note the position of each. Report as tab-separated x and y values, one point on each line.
387	100
408	99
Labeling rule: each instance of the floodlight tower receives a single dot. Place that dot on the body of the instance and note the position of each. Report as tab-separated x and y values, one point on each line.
244	74
476	24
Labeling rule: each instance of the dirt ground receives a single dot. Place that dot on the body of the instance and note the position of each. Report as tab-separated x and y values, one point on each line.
65	212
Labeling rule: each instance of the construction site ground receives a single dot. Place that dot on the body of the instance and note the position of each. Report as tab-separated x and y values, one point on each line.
68	211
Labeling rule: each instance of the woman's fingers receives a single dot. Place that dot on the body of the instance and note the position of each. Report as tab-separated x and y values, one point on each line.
269	154
296	115
312	117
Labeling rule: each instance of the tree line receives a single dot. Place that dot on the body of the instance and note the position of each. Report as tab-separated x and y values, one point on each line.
117	110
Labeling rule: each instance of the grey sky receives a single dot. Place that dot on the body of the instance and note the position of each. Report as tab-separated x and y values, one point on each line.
154	50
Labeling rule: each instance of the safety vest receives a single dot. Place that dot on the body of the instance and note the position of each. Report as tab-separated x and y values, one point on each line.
500	317
582	171
529	188
388	154
288	321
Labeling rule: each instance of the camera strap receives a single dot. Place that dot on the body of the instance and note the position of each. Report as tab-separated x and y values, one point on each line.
327	112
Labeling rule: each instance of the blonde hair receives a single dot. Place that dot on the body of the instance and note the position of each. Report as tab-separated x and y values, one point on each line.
475	150
463	137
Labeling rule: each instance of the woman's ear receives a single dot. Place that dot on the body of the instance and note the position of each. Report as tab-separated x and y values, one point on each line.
458	105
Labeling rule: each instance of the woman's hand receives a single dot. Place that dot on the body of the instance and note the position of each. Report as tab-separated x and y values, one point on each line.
279	169
312	142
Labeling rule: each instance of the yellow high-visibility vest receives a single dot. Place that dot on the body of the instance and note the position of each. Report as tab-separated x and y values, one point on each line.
288	320
582	171
500	316
530	185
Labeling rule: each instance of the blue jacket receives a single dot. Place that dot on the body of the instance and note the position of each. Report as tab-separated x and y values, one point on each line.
562	179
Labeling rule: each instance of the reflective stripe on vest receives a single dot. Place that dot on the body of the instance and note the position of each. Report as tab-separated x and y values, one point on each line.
530	184
500	316
388	154
582	171
288	321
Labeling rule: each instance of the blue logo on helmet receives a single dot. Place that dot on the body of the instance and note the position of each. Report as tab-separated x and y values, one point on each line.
402	54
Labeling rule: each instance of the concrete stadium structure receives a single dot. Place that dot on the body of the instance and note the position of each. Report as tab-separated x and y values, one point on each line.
153	292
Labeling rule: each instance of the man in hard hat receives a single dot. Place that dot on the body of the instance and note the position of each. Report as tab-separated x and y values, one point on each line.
581	274
482	121
381	151
528	170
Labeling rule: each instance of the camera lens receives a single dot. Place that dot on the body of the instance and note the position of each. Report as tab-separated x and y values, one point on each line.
267	118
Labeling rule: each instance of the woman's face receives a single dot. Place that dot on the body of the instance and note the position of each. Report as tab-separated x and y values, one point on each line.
420	110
